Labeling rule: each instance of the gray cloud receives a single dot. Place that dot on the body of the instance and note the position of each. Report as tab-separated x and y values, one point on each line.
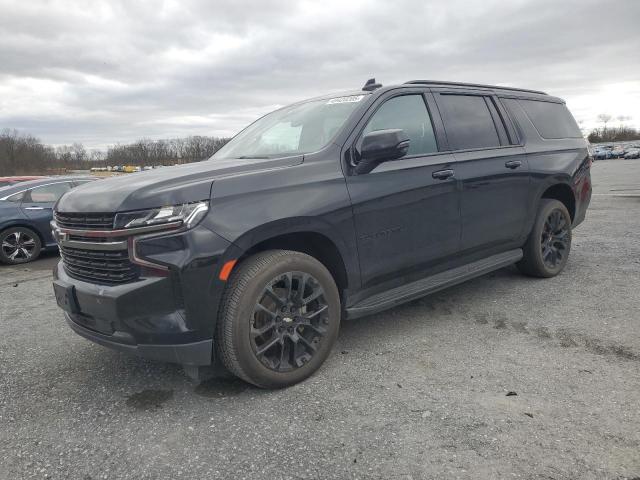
114	71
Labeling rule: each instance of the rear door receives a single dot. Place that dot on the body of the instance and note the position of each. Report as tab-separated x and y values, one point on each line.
491	167
406	211
37	205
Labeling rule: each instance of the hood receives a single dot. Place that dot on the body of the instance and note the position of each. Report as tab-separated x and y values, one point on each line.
163	186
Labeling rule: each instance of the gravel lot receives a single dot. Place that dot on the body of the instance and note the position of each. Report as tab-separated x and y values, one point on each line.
421	391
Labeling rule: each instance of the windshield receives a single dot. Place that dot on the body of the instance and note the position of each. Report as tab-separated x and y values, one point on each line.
294	130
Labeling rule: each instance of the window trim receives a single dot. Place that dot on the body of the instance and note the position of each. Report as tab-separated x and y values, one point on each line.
503	137
513	129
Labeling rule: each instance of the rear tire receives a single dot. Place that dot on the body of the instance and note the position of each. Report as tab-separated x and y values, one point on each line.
19	245
279	318
547	249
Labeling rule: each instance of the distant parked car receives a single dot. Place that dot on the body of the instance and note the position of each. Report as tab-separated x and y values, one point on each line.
618	151
7	181
26	209
602	153
632	153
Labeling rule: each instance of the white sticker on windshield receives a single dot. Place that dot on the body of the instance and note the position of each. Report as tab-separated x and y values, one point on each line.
350	99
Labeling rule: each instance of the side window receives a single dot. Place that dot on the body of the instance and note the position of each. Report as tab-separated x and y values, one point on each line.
468	122
552	120
16	197
47	193
409	113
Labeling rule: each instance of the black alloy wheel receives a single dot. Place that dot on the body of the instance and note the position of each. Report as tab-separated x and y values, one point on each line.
547	248
555	238
279	318
289	321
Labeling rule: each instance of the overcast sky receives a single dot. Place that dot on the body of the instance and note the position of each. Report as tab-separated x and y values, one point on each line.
102	72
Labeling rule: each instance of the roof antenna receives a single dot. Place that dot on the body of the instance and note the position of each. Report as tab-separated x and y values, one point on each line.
371	85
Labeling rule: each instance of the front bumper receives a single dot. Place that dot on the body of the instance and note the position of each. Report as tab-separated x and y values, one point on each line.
196	353
168	317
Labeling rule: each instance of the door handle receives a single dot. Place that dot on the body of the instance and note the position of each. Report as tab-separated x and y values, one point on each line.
513	164
442	174
34	208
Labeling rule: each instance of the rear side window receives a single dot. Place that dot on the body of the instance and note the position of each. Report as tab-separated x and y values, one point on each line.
552	120
409	113
16	197
47	193
468	122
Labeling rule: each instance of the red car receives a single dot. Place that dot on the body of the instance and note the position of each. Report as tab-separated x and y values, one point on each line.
6	181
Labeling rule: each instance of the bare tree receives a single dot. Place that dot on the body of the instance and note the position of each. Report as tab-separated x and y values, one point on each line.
623	118
604	118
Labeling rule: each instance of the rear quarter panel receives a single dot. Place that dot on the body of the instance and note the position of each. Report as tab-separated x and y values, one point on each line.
553	161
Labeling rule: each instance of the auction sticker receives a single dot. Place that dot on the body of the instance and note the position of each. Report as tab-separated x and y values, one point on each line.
350	99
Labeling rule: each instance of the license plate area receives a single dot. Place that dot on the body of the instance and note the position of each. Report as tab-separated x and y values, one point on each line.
66	296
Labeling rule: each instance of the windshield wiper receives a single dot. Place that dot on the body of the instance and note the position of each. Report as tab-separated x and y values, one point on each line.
251	156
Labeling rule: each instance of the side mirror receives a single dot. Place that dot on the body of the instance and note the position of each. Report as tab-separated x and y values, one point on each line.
381	146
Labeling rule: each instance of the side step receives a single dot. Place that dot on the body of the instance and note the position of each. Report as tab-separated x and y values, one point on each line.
405	293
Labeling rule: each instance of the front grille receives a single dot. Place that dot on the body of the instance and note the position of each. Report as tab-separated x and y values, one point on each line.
108	267
85	221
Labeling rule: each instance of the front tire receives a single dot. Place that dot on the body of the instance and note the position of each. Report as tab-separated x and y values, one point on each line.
279	318
19	245
547	249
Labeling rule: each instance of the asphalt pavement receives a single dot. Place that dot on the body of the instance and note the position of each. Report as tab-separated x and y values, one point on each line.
501	377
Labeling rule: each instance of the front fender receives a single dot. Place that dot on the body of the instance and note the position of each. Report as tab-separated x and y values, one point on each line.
300	225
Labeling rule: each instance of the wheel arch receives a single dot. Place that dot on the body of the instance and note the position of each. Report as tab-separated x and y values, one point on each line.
307	237
563	193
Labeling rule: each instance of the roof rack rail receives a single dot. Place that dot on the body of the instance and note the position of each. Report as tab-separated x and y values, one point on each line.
462	84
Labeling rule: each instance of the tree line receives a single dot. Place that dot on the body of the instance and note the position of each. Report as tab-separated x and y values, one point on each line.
24	154
621	133
163	152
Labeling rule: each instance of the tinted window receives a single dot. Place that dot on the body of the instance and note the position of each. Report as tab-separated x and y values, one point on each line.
468	122
409	113
47	193
552	120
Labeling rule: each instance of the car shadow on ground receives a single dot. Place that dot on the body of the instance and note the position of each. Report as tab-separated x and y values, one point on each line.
150	384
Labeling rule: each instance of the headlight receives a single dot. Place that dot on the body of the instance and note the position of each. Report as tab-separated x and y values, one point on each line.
189	214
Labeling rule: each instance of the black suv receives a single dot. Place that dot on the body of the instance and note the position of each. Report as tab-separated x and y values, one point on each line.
331	208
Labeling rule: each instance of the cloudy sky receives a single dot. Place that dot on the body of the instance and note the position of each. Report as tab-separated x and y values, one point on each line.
101	72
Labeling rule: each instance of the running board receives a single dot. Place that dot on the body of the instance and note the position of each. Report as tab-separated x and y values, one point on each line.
405	293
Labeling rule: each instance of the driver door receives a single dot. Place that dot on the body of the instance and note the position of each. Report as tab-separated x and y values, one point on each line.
406	211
